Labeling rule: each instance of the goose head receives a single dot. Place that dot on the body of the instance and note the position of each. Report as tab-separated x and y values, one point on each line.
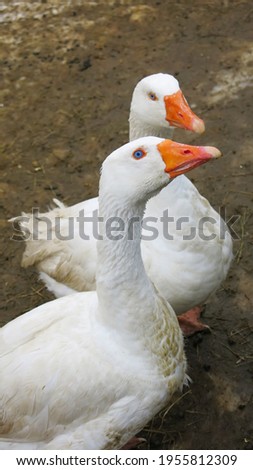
158	102
141	168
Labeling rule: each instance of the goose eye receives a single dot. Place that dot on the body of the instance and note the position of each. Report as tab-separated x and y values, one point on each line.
139	153
152	96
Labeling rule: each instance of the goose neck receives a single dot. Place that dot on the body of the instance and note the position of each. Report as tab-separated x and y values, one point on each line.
128	302
139	128
121	277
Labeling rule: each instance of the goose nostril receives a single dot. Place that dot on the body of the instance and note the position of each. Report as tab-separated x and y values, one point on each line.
180	114
187	152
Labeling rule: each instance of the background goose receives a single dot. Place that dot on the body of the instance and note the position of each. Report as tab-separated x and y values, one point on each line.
89	370
187	266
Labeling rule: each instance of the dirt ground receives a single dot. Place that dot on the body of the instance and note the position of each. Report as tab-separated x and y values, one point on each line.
69	69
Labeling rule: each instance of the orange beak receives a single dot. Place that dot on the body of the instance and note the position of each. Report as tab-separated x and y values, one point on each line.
181	158
179	113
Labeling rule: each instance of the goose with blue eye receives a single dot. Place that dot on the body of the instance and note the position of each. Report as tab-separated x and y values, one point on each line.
191	253
89	370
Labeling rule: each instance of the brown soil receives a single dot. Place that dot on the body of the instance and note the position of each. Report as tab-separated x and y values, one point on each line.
68	74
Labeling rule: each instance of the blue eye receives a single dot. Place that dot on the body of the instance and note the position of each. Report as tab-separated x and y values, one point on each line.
152	96
139	153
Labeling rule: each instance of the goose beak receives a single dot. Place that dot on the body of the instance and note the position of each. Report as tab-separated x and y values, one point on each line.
181	158
179	113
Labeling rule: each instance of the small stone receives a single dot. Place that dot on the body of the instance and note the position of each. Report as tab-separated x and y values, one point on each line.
61	153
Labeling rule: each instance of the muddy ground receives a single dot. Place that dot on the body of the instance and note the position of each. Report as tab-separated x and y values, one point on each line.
69	69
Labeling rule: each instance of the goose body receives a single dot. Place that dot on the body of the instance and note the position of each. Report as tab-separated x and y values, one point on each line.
70	382
89	370
194	260
198	263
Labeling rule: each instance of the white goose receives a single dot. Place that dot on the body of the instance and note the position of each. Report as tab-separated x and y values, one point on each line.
89	370
186	269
